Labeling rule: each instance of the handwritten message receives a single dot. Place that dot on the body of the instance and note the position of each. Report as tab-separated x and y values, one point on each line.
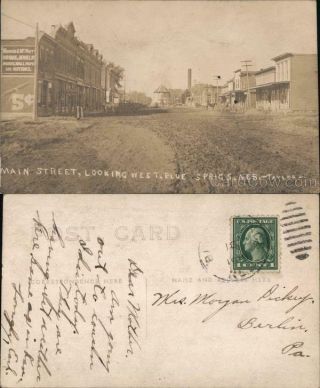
42	316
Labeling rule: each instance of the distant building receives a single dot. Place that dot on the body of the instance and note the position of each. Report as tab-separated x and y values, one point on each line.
243	96
224	93
176	96
227	93
205	94
161	96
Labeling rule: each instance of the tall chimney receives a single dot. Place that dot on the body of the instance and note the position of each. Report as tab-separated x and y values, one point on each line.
189	78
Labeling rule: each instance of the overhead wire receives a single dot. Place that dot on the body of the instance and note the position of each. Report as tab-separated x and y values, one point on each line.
17	20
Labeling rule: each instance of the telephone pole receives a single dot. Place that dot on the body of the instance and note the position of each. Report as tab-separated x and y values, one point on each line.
247	63
124	87
217	78
35	87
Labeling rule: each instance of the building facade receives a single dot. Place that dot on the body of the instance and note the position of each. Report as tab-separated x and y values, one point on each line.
238	93
244	97
205	94
70	73
77	69
296	82
227	94
265	80
290	85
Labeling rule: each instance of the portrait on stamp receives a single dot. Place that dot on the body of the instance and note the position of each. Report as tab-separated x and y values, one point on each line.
255	243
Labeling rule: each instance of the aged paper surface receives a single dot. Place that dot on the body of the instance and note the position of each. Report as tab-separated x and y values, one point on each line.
159	97
144	291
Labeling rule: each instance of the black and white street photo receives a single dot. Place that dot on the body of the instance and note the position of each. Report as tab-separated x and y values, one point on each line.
159	97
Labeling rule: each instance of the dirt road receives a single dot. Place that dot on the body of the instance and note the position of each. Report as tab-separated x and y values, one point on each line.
180	151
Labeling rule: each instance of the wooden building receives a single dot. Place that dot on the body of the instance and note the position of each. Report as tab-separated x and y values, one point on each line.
265	82
290	85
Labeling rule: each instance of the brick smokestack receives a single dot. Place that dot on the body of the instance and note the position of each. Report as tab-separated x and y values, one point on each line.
189	78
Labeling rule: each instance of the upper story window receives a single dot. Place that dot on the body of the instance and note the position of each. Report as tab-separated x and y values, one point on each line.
237	82
283	70
286	71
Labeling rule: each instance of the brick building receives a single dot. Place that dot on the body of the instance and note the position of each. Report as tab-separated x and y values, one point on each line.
78	67
71	73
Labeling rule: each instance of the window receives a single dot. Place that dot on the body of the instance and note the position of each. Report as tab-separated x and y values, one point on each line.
44	91
42	55
286	73
47	54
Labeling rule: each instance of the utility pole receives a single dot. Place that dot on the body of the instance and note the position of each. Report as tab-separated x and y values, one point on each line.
124	88
217	78
247	63
35	86
207	96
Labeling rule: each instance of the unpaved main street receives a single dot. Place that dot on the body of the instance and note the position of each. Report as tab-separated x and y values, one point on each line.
178	151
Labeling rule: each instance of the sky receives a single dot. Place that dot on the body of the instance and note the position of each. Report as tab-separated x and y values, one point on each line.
156	42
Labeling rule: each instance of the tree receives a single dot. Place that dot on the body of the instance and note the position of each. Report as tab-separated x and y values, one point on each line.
139	98
116	75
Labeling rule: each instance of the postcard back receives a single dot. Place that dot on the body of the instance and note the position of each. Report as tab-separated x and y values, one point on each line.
160	291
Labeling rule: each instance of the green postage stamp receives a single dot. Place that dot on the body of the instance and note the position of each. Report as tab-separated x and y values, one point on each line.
255	243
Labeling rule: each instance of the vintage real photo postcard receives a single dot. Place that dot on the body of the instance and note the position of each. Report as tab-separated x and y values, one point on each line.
124	291
159	97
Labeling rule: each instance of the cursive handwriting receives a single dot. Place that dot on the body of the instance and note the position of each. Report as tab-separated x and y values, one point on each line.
200	299
41	240
42	359
108	336
114	302
133	309
58	349
290	350
10	319
291	295
100	256
94	351
290	323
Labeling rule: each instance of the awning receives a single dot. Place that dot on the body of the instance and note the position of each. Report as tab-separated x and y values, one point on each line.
270	84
